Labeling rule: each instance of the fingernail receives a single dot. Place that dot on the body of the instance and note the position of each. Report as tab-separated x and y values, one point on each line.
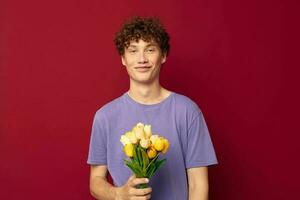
147	180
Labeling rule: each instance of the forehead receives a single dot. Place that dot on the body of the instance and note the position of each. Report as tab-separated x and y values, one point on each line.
142	43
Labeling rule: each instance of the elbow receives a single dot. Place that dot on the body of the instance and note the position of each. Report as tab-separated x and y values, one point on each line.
198	191
93	191
199	187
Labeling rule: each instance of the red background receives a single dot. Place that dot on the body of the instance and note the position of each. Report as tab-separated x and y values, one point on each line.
236	59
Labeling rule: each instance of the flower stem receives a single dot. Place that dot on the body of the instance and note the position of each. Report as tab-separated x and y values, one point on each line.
142	186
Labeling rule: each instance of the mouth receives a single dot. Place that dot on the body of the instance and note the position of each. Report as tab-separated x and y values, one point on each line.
142	68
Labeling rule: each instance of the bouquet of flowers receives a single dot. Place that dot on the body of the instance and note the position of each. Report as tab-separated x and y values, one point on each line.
143	149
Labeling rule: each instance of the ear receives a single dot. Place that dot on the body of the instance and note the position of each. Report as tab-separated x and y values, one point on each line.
164	58
123	61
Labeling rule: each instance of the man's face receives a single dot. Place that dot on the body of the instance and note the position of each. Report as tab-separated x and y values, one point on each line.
143	61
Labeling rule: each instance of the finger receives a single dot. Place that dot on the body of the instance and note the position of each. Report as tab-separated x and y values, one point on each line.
131	178
142	192
142	198
137	181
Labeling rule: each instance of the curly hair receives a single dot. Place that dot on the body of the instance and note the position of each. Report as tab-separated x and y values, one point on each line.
147	29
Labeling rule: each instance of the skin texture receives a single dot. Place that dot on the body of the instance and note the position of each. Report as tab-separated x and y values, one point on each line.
198	183
144	82
143	61
101	189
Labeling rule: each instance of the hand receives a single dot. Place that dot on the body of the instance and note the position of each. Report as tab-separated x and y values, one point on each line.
129	191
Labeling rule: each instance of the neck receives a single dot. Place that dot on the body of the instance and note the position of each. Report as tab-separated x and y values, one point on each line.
147	94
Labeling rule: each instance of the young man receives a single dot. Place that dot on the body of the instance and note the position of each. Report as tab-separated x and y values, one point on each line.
144	45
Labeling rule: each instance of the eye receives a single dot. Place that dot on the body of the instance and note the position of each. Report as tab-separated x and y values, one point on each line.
132	51
151	50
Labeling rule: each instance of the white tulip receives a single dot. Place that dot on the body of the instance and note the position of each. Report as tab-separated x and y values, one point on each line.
139	131
153	139
131	136
145	143
148	131
140	125
125	140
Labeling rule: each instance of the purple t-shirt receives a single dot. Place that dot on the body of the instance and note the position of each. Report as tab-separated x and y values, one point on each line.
176	118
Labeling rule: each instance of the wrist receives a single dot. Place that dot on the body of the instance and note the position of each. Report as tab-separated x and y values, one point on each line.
116	193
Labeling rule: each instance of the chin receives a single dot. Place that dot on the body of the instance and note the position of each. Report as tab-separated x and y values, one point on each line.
143	81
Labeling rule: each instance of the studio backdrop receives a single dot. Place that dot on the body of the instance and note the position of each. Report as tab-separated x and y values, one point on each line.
58	65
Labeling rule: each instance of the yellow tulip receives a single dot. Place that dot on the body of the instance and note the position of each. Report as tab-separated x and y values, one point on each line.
153	139
159	144
166	145
128	149
151	152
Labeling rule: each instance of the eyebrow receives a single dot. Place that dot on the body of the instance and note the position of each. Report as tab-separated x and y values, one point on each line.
148	45
131	46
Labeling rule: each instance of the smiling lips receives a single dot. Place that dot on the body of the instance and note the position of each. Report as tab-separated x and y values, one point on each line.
142	68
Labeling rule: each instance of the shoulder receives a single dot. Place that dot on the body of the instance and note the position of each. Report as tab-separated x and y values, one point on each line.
186	104
110	108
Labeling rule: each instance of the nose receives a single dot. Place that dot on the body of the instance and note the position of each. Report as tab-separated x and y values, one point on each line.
142	58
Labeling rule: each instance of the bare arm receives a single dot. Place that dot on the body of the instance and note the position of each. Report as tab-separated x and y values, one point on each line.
100	188
198	183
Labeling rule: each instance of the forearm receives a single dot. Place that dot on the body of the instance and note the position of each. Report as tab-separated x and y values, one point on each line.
199	192
198	183
100	188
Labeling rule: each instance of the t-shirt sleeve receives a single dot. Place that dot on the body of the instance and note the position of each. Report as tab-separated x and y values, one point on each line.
98	141
200	150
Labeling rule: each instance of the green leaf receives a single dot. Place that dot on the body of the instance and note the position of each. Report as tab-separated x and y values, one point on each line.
139	156
145	159
134	154
156	166
152	161
135	170
159	163
137	166
151	170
